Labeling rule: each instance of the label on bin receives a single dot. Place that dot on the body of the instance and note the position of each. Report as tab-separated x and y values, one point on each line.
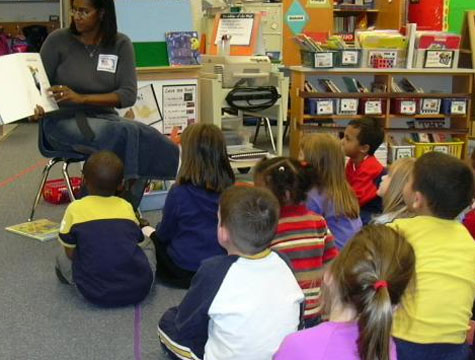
373	107
323	59
349	106
408	107
431	106
349	57
458	107
324	107
441	148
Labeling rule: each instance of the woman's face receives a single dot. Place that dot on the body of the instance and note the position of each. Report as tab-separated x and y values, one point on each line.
85	16
384	185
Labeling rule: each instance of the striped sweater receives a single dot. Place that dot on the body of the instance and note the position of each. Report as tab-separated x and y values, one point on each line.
305	238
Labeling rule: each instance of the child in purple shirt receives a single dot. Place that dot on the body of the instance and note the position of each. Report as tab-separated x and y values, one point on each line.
361	288
331	196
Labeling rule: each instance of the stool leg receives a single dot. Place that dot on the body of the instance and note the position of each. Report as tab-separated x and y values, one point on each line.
258	126
67	180
269	127
46	170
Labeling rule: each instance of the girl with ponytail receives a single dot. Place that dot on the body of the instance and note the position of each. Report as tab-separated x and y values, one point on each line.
360	291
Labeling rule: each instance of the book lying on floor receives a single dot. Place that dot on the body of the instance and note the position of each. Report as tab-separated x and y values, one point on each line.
246	153
41	229
24	85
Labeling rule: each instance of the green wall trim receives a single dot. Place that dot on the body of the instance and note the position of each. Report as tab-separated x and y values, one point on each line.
151	54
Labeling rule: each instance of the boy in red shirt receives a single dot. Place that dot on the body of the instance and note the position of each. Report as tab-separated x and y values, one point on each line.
363	171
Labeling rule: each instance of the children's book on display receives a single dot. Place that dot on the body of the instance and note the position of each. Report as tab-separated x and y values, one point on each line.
24	85
183	47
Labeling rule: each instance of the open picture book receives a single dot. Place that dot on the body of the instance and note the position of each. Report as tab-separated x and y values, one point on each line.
24	85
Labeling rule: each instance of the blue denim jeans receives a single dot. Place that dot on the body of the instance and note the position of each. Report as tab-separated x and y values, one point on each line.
411	351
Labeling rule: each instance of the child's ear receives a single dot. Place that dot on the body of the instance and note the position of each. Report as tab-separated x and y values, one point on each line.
223	236
121	186
364	149
419	201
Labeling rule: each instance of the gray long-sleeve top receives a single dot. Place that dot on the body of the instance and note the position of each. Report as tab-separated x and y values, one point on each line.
69	62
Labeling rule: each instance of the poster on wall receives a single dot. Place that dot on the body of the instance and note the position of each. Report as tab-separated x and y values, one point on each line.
179	106
296	18
164	104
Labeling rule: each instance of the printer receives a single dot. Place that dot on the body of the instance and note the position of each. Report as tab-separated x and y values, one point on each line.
238	70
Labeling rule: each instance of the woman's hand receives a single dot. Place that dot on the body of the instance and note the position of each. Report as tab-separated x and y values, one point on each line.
38	115
62	93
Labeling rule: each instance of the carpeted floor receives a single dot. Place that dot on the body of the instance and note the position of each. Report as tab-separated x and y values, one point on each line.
40	317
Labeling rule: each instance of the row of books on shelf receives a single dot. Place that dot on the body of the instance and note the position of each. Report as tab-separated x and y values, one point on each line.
348	24
353	4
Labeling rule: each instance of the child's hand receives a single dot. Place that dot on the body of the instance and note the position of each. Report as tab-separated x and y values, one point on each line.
147	231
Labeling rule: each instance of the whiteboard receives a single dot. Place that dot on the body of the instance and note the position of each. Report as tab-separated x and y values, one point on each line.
149	20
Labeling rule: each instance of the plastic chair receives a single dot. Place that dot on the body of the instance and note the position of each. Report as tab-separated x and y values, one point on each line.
55	157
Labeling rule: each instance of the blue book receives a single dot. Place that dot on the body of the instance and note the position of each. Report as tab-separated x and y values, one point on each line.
183	47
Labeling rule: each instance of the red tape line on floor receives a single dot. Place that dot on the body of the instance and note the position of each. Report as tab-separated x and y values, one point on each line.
22	173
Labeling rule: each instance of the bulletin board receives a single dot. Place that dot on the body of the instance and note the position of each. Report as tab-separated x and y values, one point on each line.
457	14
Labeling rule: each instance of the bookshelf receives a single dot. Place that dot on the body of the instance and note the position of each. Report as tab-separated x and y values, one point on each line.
384	14
450	83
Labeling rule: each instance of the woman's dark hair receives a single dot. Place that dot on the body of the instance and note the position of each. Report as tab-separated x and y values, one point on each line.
288	179
108	22
204	158
371	274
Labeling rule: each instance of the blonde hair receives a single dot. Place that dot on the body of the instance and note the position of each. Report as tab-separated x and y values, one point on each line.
376	253
325	154
399	173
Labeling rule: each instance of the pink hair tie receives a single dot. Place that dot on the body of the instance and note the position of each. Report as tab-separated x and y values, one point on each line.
380	284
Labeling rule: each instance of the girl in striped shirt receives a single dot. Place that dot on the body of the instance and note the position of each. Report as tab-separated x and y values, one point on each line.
302	235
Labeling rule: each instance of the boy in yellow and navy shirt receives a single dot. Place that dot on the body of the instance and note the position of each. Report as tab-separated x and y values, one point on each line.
105	254
433	319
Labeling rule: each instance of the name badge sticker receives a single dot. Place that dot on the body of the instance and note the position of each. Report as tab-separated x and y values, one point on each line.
107	63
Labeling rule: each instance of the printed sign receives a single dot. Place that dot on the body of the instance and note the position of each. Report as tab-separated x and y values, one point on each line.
318	3
179	106
237	26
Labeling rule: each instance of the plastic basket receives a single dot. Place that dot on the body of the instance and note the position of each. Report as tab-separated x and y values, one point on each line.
318	60
453	148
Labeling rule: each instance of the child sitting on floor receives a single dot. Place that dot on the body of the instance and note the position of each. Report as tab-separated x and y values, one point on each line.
361	288
363	171
331	195
432	323
302	235
187	233
239	306
390	190
105	254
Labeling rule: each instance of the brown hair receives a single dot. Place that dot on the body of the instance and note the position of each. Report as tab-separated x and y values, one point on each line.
376	253
325	154
399	172
283	176
446	182
205	161
250	215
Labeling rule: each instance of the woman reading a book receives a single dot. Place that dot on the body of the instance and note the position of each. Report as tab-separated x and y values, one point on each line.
91	68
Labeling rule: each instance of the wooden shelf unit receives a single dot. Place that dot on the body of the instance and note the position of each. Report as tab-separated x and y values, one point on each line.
462	87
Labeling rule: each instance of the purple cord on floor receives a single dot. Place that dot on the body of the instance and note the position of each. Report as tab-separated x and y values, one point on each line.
138	333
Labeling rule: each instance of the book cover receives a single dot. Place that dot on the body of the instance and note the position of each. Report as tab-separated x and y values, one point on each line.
183	47
24	85
41	229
